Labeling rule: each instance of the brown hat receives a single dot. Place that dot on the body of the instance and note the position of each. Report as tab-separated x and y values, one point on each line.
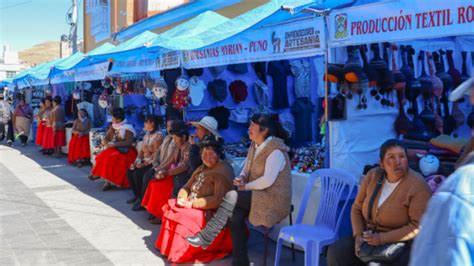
238	90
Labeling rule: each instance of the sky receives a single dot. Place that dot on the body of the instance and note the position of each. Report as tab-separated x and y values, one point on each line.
24	23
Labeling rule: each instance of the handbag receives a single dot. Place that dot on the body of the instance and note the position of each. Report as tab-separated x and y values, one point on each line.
122	150
383	253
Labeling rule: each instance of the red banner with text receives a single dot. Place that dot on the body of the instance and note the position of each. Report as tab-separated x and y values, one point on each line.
400	21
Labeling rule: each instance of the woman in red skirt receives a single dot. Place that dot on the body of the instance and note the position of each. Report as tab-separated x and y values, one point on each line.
40	122
47	141
112	164
79	148
57	117
171	177
197	200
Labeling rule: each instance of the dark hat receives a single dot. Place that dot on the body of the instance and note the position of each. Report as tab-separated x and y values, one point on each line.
353	71
216	70
238	68
334	74
211	140
238	90
221	114
194	72
218	89
178	127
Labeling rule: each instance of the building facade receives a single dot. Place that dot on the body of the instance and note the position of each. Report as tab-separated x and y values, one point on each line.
9	63
116	21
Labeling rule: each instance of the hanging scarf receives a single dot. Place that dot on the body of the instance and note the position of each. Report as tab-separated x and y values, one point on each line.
121	127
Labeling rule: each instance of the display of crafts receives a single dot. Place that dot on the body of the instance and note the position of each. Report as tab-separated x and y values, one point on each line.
308	159
233	150
96	136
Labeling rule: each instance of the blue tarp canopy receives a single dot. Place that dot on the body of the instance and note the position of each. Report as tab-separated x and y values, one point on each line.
37	73
5	82
89	57
229	28
127	48
143	59
192	27
42	71
66	63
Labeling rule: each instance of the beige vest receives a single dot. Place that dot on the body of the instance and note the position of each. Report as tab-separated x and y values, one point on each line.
271	205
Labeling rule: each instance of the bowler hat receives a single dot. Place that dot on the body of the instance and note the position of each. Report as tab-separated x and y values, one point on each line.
238	90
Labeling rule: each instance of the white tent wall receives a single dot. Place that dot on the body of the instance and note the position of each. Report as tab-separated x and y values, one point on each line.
355	142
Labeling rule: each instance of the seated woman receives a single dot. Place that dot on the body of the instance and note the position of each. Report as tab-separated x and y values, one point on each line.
198	198
163	159
264	190
150	145
171	178
112	163
79	148
396	209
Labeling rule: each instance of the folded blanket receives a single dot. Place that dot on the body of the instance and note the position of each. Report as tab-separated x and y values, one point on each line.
447	142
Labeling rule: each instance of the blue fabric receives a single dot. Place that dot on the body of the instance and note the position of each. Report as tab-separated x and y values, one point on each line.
131	47
137	100
229	28
68	62
447	227
5	82
90	60
192	27
39	72
104	48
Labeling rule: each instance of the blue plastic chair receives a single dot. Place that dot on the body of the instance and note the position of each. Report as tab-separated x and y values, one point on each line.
336	185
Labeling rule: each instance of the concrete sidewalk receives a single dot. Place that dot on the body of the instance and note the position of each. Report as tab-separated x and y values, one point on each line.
50	213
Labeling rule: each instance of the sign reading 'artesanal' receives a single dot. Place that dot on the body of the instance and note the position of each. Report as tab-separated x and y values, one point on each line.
401	20
293	40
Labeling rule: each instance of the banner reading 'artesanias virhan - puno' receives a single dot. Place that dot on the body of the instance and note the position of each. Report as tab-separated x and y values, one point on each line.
296	39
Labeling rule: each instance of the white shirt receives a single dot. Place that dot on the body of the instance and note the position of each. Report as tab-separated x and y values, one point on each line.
387	190
274	164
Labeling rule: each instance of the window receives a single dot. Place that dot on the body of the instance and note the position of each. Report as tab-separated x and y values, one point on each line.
10	74
99	13
148	8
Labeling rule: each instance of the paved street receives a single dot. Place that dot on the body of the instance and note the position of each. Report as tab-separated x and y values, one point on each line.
50	213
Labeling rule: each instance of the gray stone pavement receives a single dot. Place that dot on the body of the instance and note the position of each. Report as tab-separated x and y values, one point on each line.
51	214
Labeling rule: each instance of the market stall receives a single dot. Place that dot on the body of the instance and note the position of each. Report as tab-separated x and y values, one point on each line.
273	66
421	56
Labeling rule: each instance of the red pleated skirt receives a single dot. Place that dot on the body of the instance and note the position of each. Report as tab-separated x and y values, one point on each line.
157	194
59	138
112	165
79	148
39	133
48	138
178	223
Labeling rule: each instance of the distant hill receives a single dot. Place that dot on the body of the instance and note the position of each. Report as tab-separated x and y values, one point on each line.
40	53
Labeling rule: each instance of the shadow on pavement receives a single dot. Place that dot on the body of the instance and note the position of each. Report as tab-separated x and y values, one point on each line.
116	199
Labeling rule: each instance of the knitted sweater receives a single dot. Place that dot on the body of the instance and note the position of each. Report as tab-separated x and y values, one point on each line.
399	215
